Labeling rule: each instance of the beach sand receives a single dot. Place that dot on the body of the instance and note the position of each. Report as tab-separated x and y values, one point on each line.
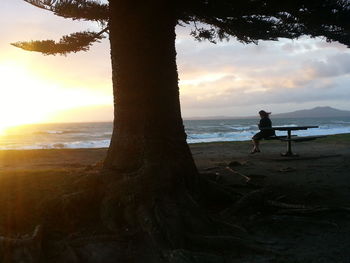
319	176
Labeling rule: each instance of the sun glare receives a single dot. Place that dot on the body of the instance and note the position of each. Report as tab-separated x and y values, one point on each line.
26	97
18	97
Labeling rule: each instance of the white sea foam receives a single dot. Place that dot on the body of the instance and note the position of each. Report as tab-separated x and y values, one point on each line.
63	145
320	131
217	137
97	135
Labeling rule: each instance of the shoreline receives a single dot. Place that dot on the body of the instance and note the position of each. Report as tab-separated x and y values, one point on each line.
205	154
346	136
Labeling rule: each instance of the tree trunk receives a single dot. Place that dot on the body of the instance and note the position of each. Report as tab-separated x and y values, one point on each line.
148	128
151	163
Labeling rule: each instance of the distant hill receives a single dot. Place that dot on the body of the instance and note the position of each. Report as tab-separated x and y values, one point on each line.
318	112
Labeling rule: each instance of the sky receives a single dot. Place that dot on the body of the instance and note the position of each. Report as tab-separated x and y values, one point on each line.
223	79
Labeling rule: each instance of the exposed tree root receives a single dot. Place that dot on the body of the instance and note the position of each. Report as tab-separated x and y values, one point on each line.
291	219
132	218
314	211
227	243
253	201
278	204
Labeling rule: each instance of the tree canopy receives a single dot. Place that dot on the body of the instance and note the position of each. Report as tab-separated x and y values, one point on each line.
246	20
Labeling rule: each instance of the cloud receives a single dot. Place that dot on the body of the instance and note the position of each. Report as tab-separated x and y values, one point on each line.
333	66
284	72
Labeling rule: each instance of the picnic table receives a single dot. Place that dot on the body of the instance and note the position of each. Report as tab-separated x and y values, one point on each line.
289	138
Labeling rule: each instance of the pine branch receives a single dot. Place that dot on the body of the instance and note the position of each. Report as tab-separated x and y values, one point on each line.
250	21
75	9
80	41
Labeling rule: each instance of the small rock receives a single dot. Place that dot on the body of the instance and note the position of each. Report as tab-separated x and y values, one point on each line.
234	164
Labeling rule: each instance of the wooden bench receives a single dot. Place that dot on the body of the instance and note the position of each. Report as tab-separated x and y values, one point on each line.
292	138
302	138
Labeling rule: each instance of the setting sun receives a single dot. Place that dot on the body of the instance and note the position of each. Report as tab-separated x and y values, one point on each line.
19	95
26	97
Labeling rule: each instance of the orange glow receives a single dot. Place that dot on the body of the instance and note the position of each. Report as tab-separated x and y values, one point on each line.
26	97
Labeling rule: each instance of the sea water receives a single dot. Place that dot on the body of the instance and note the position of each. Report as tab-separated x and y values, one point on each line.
97	135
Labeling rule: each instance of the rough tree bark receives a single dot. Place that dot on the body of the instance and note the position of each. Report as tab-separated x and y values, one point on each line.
148	128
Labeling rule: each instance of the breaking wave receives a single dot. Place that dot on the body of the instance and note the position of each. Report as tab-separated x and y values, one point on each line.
97	135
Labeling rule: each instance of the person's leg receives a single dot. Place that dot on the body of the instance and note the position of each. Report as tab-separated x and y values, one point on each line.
255	146
256	139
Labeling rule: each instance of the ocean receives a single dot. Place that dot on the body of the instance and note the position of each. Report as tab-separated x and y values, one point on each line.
97	135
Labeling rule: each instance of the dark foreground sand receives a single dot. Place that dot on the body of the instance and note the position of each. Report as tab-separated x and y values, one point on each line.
318	177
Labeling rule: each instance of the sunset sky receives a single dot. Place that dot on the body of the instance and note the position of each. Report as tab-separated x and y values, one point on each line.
228	78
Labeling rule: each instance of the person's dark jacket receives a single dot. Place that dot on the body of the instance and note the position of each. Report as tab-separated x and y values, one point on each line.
264	124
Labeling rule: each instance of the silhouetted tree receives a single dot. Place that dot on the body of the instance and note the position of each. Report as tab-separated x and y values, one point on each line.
154	176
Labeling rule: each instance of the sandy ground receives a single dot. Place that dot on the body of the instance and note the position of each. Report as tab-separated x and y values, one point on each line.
319	176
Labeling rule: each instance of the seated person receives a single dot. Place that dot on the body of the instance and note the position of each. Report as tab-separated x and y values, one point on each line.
264	125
